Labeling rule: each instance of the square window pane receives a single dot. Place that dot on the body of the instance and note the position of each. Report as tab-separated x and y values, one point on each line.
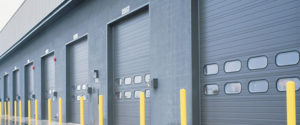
118	81
233	66
127	81
137	94
118	95
287	58
148	92
147	78
233	88
127	95
211	89
258	86
281	83
258	62
138	79
211	69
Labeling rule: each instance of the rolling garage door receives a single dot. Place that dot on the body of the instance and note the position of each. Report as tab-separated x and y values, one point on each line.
48	86
77	74
131	67
6	94
6	88
29	87
16	88
248	50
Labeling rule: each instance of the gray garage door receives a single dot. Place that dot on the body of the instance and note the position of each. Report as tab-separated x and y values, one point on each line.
131	62
16	87
48	86
248	50
77	73
6	88
29	88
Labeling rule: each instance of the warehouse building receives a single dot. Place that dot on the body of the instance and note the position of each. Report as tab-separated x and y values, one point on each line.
232	57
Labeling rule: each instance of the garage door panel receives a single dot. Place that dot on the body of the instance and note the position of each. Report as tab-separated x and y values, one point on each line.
29	86
269	11
131	57
240	30
77	71
48	85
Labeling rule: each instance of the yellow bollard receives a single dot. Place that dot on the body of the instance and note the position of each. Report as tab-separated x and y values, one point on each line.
36	112
49	111
15	112
142	108
100	110
29	112
183	106
8	112
60	110
5	113
291	103
20	112
81	111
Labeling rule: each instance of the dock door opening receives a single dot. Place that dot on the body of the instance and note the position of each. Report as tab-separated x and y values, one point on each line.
6	88
48	86
77	78
29	87
16	88
246	61
130	39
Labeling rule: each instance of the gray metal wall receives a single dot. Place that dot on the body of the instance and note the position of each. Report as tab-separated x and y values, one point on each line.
91	17
175	56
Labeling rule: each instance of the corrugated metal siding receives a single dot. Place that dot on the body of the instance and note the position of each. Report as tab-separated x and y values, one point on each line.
77	63
239	30
131	58
28	15
29	85
48	84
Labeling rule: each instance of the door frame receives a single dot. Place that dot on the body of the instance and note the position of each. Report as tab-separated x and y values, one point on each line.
26	96
68	90
5	86
110	67
16	90
42	80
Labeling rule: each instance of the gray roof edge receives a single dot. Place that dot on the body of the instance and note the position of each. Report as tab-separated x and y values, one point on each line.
42	23
12	16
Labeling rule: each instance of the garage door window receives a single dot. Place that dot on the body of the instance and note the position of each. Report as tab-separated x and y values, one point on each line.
118	95
211	89
258	86
287	58
148	93
137	94
258	62
211	69
127	81
138	79
118	81
127	94
233	88
281	83
147	78
233	66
